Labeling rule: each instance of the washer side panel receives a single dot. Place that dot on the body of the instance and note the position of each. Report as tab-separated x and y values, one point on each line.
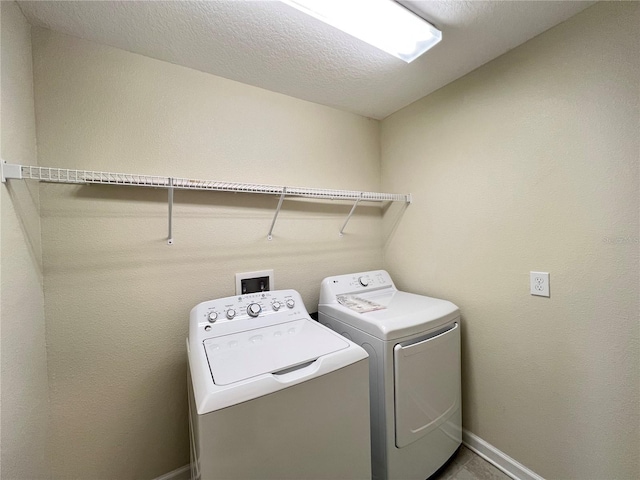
316	429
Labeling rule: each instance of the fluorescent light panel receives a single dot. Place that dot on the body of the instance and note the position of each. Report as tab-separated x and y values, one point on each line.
382	23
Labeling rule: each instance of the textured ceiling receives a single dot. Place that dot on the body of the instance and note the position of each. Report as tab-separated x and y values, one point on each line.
271	45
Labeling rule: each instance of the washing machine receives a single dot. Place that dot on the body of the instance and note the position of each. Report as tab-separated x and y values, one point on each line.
413	342
274	394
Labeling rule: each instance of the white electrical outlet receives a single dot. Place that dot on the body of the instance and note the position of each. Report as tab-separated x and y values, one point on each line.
540	284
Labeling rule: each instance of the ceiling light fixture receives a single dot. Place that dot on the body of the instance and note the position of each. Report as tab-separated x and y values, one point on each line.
384	24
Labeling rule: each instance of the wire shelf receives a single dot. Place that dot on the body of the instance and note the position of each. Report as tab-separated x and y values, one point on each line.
64	175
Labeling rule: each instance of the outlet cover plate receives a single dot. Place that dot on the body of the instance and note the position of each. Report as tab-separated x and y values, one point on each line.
249	275
540	284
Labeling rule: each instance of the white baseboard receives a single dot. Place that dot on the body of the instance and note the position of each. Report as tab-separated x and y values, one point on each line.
487	451
498	458
182	473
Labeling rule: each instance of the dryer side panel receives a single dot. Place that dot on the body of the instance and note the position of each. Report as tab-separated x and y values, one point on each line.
427	384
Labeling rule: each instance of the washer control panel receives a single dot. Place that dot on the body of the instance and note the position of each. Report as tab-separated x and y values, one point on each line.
242	308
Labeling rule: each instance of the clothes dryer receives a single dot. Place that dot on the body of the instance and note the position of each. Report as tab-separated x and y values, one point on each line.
274	394
413	342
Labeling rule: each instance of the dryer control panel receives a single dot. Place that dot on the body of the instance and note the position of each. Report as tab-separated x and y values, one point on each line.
354	283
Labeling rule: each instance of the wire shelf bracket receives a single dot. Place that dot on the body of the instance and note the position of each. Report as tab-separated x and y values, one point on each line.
10	171
275	216
353	209
170	204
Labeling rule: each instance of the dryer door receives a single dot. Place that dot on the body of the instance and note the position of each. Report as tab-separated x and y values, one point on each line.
427	383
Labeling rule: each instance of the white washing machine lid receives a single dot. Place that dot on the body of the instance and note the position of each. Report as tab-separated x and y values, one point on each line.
237	360
272	349
403	314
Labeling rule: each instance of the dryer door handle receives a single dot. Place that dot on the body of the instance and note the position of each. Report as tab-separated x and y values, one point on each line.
419	346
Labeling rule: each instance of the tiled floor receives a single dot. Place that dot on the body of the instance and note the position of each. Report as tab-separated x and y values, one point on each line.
466	465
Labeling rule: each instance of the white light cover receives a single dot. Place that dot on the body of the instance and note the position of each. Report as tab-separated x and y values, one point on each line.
382	23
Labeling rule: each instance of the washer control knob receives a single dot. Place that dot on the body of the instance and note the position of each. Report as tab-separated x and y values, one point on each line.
212	317
254	309
231	313
276	305
364	281
291	303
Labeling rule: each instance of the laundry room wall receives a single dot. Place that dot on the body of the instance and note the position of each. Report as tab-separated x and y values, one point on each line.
530	163
117	297
24	398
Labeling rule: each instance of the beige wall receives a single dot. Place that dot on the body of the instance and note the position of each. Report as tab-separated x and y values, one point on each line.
117	297
531	163
528	163
25	410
